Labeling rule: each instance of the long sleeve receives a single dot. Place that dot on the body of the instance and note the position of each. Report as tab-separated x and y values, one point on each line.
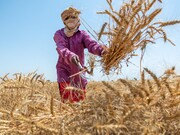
62	48
92	46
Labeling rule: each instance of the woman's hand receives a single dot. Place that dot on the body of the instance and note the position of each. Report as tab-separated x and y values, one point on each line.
75	60
105	50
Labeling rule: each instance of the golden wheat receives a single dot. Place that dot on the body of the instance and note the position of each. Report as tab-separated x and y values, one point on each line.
133	28
109	108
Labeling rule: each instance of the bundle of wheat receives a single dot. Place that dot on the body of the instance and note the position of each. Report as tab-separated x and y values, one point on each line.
133	28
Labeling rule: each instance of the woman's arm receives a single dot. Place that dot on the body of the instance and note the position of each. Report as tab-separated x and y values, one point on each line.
92	46
62	49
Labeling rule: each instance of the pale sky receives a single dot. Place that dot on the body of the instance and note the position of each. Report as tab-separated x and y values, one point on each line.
27	28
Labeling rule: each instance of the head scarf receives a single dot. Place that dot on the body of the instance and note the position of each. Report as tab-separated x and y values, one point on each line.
67	13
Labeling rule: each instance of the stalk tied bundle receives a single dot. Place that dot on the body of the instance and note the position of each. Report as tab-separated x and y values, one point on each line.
132	29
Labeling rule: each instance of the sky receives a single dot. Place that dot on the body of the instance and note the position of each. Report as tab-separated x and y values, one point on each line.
27	28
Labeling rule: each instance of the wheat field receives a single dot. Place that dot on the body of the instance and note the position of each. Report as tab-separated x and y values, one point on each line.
31	105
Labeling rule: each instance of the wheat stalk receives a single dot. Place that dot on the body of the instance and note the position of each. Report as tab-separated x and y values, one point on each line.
134	28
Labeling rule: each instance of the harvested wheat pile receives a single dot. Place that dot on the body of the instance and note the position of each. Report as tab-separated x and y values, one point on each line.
132	28
29	104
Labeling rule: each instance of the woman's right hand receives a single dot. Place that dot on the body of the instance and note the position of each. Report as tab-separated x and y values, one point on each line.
75	60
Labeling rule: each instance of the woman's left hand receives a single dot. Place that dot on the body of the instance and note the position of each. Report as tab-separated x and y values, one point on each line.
105	50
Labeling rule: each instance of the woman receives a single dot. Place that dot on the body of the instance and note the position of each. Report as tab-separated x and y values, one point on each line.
71	42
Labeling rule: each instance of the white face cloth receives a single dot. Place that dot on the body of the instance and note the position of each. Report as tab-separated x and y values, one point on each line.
71	25
70	18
